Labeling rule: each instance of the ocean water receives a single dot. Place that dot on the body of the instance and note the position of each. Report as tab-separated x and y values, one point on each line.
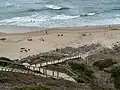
59	13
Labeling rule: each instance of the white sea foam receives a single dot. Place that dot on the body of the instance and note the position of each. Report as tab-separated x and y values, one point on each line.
53	7
88	14
32	20
91	14
63	17
58	12
39	20
8	4
35	19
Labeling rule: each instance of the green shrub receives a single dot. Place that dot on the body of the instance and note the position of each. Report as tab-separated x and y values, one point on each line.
6	59
115	71
104	63
3	64
31	88
81	70
80	67
77	66
115	74
6	63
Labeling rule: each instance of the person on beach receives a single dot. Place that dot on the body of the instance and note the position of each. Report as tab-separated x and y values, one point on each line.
42	39
46	32
61	34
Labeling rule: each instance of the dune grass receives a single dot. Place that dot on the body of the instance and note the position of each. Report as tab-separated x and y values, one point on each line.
84	74
5	61
31	88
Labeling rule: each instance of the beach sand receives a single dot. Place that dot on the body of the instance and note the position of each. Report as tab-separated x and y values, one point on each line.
16	43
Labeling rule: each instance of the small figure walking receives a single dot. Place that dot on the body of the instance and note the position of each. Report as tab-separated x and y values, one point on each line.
46	32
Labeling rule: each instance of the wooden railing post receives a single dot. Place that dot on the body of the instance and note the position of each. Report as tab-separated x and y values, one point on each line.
28	67
46	72
33	68
19	71
57	74
43	71
40	65
46	63
30	70
53	73
39	69
12	69
5	69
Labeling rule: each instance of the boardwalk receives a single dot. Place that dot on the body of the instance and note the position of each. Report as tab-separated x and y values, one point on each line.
43	71
83	56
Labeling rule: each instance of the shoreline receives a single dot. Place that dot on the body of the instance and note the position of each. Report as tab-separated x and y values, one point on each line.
12	29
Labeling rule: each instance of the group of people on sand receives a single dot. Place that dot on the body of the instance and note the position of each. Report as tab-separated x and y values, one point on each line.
41	39
60	35
24	50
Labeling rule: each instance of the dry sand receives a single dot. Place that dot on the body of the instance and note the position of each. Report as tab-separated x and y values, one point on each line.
11	47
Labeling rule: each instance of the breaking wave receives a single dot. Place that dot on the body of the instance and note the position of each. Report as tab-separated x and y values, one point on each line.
89	14
64	17
36	20
32	20
46	7
54	7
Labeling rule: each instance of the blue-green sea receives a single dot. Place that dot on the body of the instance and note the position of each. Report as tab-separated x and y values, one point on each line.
59	13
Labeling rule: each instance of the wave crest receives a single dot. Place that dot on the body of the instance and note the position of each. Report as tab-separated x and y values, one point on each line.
32	20
47	7
89	14
54	7
64	17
